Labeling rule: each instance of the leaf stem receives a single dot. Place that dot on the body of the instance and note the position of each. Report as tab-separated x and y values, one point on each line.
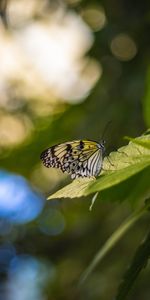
111	241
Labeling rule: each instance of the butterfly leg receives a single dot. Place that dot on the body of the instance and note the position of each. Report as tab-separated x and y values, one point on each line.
110	161
122	152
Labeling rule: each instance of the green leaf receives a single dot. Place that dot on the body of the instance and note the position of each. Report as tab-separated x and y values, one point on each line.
144	143
112	241
118	167
139	262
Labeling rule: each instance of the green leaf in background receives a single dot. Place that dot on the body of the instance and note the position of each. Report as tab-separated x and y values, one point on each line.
112	240
139	262
118	167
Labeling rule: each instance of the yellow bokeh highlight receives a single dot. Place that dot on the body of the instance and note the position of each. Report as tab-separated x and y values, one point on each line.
123	47
14	129
95	17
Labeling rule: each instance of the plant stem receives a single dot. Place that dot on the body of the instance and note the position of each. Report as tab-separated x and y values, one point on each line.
112	240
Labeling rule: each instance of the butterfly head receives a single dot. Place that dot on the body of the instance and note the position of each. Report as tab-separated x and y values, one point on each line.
102	145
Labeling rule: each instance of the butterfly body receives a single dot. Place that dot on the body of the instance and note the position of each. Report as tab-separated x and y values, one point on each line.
79	158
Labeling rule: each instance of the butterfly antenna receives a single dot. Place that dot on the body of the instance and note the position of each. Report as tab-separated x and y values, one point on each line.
105	130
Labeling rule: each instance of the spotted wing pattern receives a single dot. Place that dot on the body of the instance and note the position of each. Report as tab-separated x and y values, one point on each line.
81	158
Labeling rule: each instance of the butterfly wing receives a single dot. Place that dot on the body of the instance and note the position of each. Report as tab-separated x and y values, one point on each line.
78	158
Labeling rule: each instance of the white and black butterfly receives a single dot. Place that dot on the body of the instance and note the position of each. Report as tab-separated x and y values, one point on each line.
80	158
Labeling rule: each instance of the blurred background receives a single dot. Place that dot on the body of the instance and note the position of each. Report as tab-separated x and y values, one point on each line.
67	68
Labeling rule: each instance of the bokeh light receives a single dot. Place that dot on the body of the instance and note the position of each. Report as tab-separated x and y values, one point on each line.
52	222
31	275
94	16
18	202
21	12
20	129
49	52
123	47
61	58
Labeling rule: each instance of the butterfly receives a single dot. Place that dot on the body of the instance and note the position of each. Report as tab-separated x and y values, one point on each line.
79	158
